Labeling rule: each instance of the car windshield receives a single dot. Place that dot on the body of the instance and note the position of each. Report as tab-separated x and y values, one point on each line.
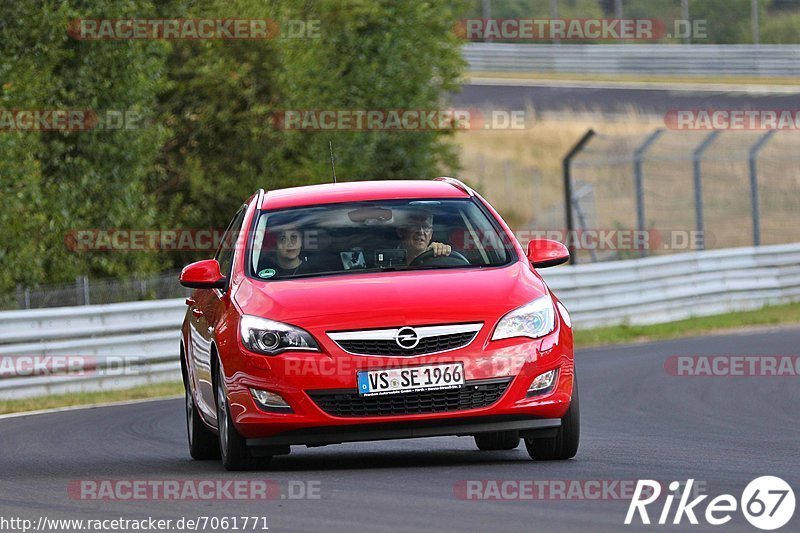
376	236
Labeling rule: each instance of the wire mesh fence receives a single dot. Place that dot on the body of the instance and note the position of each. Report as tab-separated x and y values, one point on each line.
97	291
688	190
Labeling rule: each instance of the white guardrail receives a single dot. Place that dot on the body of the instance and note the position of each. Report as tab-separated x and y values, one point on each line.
145	335
653	59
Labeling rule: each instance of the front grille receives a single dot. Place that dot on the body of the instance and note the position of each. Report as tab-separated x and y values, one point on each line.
427	345
473	395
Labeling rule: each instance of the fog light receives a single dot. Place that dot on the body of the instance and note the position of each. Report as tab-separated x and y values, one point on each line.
543	383
270	401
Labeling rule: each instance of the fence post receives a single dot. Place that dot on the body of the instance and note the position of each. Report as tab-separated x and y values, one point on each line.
507	187
697	157
486	10
753	156
82	290
554	16
685	17
638	156
567	163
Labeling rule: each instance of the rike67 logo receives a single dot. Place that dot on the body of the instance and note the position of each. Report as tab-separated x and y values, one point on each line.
767	503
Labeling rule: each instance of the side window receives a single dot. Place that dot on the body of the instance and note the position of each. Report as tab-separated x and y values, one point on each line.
227	247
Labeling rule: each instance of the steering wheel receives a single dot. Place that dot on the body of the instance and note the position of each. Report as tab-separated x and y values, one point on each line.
427	258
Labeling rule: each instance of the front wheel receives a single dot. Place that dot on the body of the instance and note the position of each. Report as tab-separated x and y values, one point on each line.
233	447
203	444
565	444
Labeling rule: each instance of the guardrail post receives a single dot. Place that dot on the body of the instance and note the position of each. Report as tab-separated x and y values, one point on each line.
697	156
567	164
638	157
753	156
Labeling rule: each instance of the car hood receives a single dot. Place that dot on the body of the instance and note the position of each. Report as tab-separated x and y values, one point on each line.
387	299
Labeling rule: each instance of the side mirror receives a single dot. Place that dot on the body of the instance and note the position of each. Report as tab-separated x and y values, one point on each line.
543	253
202	275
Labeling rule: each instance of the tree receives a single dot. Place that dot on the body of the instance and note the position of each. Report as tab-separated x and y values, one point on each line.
367	55
67	180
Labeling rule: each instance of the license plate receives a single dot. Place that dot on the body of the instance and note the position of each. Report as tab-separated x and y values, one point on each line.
411	379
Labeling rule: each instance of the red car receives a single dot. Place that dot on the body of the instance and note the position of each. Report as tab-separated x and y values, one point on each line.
375	310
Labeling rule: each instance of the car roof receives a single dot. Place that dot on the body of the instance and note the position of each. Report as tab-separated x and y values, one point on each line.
359	191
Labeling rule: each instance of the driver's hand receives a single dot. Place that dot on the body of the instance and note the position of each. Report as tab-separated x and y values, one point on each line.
440	249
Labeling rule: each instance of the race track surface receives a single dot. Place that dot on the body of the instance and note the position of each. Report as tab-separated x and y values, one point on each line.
606	98
638	422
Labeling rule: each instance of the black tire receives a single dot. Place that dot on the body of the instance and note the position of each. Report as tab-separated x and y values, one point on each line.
565	444
233	447
499	440
203	444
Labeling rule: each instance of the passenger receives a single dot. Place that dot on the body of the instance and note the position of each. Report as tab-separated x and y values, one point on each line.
288	245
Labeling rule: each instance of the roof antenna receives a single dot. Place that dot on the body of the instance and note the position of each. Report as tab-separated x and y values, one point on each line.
333	166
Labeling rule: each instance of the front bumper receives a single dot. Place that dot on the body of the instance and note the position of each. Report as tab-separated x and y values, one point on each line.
299	376
321	436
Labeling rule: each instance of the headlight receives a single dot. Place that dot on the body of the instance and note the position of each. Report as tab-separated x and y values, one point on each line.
271	338
534	320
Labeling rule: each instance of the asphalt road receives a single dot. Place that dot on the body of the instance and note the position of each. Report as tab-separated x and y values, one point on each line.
613	99
638	422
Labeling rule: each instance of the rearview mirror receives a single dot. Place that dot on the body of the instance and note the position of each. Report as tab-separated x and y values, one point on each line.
370	215
543	253
202	275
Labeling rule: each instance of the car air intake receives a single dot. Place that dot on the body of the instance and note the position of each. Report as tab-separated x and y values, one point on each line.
473	395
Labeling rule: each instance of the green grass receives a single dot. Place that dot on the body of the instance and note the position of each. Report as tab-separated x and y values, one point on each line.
91	398
772	315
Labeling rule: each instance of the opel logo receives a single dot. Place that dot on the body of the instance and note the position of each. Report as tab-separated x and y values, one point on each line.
407	338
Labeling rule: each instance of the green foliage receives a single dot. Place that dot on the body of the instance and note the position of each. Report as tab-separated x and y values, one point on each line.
57	181
205	140
781	30
367	56
728	20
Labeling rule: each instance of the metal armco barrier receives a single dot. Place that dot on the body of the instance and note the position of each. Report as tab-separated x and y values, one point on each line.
638	291
653	59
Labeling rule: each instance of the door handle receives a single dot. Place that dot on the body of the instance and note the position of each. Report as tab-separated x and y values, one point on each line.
190	301
196	312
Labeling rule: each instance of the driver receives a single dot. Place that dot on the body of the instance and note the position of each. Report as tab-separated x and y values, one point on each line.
416	234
